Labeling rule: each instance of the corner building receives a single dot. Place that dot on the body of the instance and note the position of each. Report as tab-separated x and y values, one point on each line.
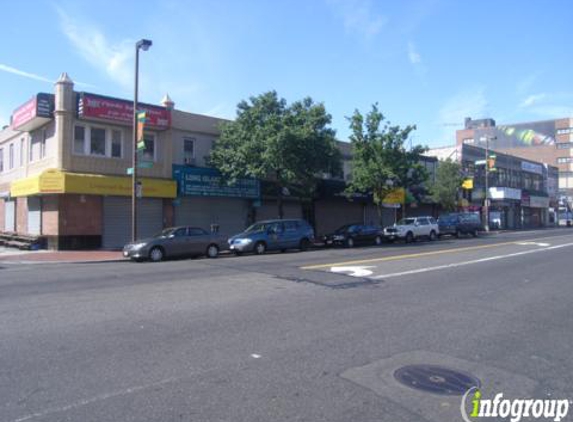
64	161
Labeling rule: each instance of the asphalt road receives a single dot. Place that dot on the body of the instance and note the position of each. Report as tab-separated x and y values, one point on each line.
313	336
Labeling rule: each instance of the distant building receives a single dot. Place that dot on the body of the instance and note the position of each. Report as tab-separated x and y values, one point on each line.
548	141
523	193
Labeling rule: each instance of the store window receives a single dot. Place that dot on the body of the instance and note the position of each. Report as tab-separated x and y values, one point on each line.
148	153
79	139
43	144
116	143
189	150
97	141
11	157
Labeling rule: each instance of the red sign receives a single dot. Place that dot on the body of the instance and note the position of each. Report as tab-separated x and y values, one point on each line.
24	113
33	113
121	111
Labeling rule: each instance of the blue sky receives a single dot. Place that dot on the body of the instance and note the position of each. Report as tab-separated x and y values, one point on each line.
426	62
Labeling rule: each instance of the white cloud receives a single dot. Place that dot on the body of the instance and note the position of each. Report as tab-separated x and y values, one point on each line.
413	54
359	17
114	59
24	74
469	103
13	70
531	100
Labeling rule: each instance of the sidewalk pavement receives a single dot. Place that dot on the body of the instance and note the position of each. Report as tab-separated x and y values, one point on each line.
42	256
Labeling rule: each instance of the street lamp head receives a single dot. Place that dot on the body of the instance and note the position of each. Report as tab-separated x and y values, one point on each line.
144	44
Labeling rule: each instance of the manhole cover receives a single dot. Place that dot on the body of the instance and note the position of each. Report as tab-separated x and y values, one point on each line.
436	379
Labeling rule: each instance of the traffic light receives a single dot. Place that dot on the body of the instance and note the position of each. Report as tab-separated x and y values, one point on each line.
491	162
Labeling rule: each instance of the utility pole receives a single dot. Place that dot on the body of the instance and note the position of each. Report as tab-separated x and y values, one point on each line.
486	225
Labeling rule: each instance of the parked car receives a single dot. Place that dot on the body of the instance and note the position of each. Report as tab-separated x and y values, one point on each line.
412	228
459	223
355	234
273	235
176	241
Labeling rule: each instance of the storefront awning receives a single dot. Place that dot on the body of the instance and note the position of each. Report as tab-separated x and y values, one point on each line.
59	182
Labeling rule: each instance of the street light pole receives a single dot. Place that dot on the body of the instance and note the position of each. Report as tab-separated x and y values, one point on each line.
144	45
486	225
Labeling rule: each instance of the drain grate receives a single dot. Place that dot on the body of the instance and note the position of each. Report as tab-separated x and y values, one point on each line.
436	379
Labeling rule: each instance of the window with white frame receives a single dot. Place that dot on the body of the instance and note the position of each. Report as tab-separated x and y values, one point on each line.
1	160
149	152
11	157
22	147
116	143
98	141
31	149
79	139
43	144
188	150
564	160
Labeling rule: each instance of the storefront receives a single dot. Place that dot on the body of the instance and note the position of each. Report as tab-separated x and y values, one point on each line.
87	211
205	200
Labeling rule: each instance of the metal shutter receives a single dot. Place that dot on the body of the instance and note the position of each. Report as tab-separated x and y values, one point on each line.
10	215
270	211
34	215
229	213
117	220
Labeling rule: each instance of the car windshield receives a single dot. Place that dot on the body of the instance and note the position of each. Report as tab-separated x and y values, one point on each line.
344	229
165	232
258	227
406	221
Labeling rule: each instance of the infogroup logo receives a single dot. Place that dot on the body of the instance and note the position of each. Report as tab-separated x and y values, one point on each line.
512	409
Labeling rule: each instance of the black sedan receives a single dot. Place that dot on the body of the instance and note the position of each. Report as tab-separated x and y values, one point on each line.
350	235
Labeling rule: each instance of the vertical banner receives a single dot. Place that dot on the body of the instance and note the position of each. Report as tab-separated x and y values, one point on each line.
141	120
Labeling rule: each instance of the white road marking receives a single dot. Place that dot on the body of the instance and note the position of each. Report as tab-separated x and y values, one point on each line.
354	271
255	356
475	261
95	399
542	244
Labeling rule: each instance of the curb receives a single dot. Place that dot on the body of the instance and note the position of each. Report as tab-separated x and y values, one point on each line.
62	262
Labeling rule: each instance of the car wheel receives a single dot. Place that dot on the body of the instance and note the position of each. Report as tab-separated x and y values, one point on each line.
304	244
212	251
260	248
409	237
433	235
156	254
350	242
458	234
377	240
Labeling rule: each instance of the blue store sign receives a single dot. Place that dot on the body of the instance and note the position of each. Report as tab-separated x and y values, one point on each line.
200	181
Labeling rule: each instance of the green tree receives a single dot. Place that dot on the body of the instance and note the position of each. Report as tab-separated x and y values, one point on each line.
291	145
444	189
381	162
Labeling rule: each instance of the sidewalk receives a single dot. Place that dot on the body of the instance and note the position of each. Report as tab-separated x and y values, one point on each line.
42	256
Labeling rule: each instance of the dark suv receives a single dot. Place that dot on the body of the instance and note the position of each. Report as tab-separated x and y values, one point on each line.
459	223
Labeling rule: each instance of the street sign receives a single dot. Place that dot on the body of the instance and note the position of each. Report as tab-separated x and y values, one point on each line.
140	165
480	162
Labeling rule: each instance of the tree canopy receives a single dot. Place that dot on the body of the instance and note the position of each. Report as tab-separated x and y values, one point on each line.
381	162
444	189
269	139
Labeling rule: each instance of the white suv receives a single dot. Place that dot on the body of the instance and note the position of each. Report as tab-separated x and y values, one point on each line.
412	228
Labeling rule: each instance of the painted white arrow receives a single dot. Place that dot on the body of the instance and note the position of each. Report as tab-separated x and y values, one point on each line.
534	243
353	271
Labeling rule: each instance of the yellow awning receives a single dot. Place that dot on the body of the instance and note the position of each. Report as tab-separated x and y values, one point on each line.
58	182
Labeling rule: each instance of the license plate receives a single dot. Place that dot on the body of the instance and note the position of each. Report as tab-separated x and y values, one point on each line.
125	253
329	242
